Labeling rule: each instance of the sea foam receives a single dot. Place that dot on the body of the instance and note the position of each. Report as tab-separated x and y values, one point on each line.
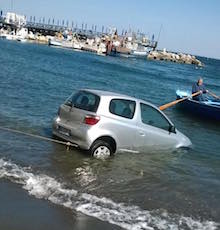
128	217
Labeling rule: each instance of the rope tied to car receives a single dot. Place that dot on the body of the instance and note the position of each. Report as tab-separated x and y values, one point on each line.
67	144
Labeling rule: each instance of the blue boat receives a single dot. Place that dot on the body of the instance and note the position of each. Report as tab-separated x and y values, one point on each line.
209	108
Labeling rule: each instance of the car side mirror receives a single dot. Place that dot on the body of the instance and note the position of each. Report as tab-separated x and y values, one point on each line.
69	103
172	129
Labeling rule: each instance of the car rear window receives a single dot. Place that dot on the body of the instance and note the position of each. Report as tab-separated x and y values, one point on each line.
86	101
122	108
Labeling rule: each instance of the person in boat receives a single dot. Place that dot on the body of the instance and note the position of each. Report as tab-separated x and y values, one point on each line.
199	86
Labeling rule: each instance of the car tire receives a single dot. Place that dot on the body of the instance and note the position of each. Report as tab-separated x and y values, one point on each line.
101	149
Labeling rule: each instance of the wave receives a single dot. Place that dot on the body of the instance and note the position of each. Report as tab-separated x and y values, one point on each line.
128	217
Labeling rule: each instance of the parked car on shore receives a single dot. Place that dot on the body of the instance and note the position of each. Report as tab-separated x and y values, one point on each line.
105	123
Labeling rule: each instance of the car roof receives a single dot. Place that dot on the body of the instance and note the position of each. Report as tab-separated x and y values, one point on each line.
113	94
109	94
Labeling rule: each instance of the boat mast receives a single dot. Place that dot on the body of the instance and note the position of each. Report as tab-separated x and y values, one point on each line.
161	26
12	3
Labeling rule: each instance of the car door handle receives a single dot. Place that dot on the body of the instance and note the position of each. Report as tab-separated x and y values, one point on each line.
142	133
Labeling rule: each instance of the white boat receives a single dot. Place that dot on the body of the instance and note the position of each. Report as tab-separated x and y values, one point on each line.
21	39
67	44
22	34
139	52
10	37
102	49
3	36
55	43
77	45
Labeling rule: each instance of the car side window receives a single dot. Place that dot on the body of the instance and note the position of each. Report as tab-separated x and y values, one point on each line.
153	117
86	101
122	108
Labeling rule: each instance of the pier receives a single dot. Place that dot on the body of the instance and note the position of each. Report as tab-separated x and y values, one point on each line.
68	35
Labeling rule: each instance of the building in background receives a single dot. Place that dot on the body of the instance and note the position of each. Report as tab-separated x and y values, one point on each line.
16	19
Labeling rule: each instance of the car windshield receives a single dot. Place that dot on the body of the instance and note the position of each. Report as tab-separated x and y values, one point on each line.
151	116
84	100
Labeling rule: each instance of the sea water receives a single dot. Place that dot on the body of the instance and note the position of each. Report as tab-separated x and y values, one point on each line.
150	190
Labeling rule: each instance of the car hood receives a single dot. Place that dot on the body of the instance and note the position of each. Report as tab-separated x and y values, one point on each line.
183	141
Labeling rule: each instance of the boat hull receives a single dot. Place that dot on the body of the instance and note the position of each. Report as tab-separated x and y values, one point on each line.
55	43
140	53
209	110
202	110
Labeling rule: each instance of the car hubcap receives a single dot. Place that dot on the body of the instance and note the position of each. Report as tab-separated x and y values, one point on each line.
101	152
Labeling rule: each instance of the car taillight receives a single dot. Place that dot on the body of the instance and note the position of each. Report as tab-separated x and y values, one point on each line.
91	120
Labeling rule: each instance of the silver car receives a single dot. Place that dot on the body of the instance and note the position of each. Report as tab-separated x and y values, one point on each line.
105	123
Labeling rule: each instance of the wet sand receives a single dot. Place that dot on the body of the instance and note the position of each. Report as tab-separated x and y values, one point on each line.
20	211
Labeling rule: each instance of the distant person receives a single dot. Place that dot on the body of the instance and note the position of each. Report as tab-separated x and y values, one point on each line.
199	87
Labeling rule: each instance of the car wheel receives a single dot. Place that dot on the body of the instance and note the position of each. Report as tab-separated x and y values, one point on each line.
101	149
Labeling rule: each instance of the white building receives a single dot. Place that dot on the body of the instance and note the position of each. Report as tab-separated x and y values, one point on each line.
13	18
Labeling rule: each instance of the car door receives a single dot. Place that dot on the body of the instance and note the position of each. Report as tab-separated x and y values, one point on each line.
122	122
154	130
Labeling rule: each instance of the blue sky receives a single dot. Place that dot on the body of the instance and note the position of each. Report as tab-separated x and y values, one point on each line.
190	26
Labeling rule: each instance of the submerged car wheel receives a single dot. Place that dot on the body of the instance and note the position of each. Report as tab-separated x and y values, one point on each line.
101	149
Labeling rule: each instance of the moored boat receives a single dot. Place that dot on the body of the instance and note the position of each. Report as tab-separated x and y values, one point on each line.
19	39
54	43
209	108
140	53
